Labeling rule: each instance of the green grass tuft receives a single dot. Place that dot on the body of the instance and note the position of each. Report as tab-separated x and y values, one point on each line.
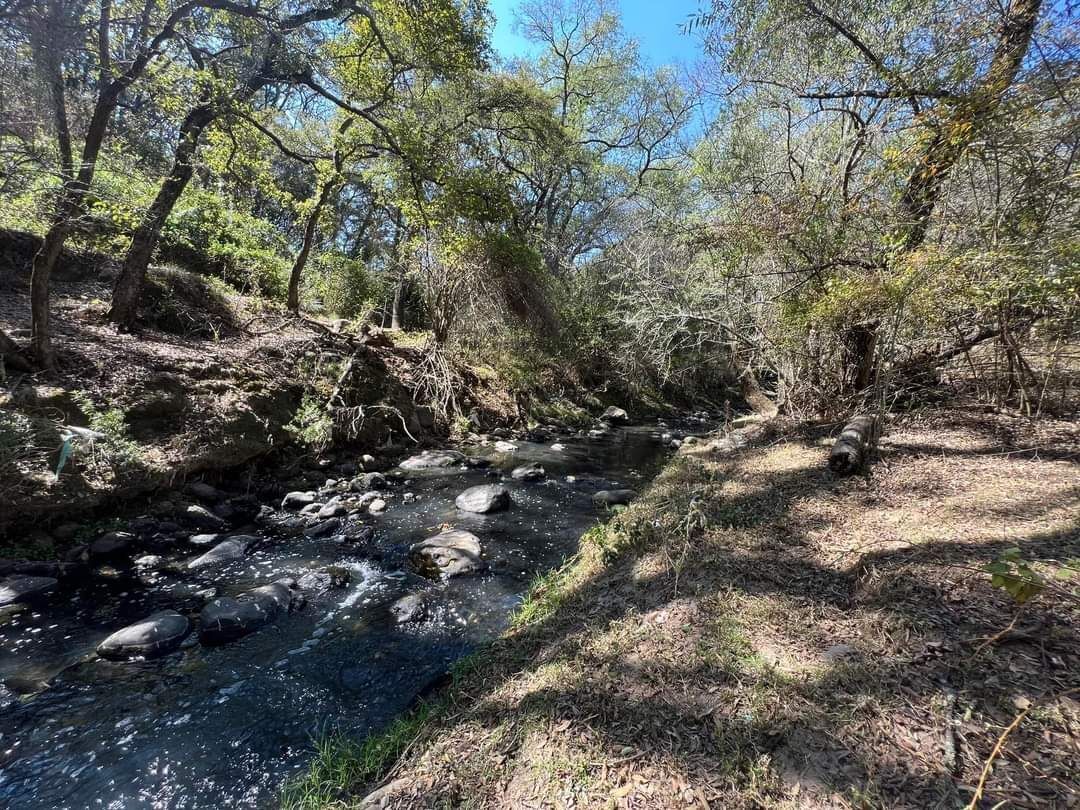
342	766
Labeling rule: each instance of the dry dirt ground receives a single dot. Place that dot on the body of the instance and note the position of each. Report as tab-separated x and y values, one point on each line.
755	632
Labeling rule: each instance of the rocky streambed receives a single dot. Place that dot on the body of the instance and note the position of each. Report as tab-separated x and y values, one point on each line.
188	658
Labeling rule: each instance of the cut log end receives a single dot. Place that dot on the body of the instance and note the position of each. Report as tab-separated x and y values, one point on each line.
849	453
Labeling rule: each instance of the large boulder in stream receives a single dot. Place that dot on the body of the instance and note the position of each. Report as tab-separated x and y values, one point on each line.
484	498
447	554
202	518
232	549
433	459
23	588
227	619
614	497
155	635
615	415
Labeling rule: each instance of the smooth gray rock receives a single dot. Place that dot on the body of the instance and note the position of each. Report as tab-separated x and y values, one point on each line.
529	472
373	480
331	510
150	562
204	539
409	608
614	497
377	506
203	491
323	528
296	500
433	459
615	415
155	635
232	549
111	544
23	588
202	518
226	619
484	498
447	554
355	533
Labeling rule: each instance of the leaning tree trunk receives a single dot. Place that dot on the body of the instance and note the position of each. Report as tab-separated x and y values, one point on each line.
955	131
129	284
849	453
310	229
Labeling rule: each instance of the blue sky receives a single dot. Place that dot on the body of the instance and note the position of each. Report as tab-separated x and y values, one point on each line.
654	23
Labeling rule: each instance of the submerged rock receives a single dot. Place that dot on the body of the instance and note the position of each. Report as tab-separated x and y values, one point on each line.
409	608
505	447
614	497
155	635
433	459
24	588
323	528
447	554
356	533
226	619
528	472
484	498
232	549
331	578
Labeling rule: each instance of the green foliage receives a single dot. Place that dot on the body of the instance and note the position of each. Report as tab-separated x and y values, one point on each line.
120	451
311	425
209	231
1017	577
342	766
345	286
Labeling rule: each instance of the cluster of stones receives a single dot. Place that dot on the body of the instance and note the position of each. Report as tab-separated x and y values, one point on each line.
327	509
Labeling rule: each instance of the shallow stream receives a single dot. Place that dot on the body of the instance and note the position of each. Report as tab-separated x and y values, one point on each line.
212	727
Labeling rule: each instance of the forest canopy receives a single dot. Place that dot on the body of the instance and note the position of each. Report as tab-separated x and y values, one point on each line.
827	203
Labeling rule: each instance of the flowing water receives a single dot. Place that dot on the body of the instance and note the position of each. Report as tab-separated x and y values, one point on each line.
211	727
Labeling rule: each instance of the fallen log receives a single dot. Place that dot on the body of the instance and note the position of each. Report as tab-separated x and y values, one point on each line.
849	453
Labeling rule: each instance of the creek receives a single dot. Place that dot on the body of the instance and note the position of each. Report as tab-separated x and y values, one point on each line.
225	726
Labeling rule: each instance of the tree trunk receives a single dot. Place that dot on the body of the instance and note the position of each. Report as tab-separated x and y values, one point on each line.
960	125
397	311
310	229
68	207
849	453
129	284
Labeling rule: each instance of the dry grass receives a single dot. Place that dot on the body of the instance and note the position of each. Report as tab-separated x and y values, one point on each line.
757	633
